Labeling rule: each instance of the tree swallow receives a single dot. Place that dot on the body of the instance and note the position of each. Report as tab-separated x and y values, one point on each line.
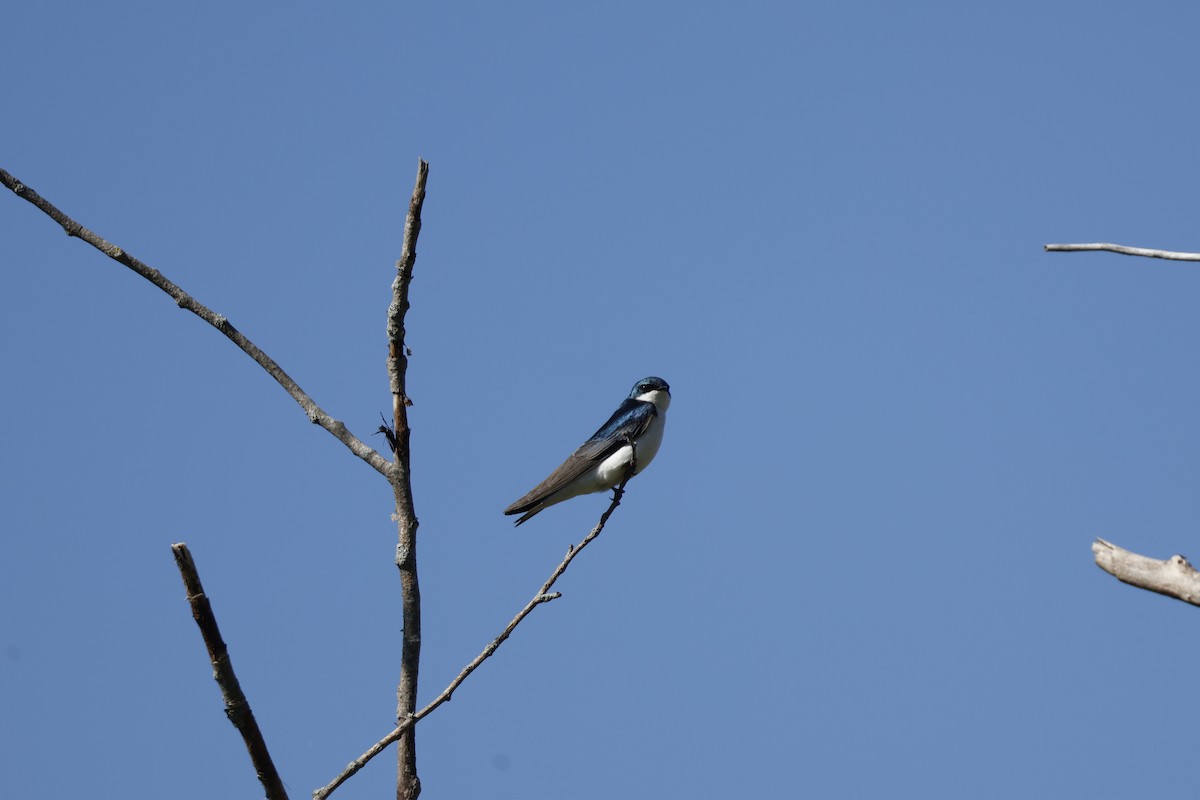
601	461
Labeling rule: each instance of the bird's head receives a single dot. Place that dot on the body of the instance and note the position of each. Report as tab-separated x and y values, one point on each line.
652	390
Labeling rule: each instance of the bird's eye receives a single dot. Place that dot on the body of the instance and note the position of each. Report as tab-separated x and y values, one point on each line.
650	385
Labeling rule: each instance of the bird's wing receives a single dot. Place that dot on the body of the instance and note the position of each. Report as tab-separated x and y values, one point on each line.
628	422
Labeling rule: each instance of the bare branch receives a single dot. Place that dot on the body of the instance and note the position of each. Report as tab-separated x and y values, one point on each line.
186	301
1174	577
543	595
237	707
408	785
1123	250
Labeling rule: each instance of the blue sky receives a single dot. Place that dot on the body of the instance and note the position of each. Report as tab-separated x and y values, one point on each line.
860	565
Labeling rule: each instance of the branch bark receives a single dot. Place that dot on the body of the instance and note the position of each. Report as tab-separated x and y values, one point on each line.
408	785
397	472
1174	577
237	707
543	595
186	301
1123	250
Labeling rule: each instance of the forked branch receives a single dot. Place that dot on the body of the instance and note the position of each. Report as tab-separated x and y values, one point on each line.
186	301
543	595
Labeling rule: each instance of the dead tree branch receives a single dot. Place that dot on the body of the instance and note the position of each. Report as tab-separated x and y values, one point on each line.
1174	577
186	301
408	785
237	707
1123	250
543	595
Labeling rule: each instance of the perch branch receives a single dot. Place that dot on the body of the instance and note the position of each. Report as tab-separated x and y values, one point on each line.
543	595
408	785
1174	577
237	708
186	301
1123	250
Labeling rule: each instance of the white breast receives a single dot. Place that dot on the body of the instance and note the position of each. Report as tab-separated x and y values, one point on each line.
612	469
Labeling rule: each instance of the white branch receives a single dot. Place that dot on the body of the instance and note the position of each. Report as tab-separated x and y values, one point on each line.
1123	250
1174	577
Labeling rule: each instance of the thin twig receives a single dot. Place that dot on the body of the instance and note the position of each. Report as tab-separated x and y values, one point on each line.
1174	577
1123	250
408	785
237	707
543	595
186	301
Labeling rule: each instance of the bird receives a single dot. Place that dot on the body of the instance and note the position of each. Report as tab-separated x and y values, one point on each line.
601	462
